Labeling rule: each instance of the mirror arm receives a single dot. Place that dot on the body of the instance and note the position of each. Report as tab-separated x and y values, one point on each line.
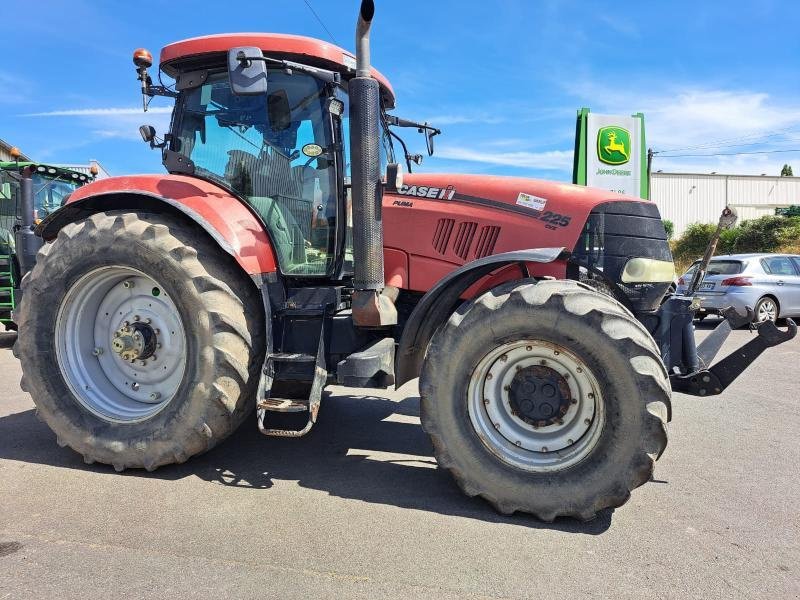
330	77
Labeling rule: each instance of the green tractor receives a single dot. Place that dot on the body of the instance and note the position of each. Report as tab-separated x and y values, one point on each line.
29	191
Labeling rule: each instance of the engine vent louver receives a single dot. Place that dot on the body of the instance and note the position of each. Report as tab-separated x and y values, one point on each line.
486	240
466	231
442	235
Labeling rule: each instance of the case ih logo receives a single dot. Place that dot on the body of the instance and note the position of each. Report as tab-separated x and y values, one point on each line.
423	191
613	145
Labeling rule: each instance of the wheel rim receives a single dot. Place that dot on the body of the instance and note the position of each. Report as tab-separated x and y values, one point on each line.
536	405
767	311
120	344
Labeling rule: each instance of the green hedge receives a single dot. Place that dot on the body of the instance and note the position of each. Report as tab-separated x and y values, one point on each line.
766	234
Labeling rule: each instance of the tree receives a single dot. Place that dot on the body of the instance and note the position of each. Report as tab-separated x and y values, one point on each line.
786	171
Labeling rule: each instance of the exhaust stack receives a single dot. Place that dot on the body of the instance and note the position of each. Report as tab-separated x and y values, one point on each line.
371	308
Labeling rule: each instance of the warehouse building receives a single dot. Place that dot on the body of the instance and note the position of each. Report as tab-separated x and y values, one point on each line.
686	198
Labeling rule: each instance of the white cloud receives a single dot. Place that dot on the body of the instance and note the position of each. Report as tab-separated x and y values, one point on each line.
552	160
92	112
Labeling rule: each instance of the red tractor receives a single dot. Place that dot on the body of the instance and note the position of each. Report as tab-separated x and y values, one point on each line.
284	251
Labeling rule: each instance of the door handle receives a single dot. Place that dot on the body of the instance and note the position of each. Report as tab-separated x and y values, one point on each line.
780	282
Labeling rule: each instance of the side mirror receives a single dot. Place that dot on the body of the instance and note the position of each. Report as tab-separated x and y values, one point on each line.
247	71
429	134
148	133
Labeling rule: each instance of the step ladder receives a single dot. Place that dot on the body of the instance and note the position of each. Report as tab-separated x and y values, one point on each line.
293	383
7	286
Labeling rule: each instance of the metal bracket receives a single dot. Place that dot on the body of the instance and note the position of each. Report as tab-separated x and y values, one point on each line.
713	381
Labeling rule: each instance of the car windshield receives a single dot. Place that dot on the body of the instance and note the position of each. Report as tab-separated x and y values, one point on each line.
276	151
719	267
725	267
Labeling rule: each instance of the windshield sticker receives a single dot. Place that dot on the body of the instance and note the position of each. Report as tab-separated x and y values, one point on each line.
532	202
424	191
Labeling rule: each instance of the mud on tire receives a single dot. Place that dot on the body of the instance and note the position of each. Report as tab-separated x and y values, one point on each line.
624	361
224	333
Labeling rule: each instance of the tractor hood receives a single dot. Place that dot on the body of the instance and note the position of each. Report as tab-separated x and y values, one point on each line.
442	221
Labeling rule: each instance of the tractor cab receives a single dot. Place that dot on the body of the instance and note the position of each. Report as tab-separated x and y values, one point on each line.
29	192
283	148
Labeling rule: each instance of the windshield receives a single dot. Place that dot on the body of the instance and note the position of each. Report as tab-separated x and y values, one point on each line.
719	267
49	194
275	150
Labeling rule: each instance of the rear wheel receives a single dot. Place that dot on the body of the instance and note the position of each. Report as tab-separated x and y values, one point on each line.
140	340
766	309
556	405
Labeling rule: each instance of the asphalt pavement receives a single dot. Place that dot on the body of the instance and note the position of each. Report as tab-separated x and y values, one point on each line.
358	509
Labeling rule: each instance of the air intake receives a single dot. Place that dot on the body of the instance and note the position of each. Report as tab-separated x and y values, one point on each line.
486	240
441	236
466	231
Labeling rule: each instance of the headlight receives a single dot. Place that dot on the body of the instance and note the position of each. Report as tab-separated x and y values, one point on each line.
648	270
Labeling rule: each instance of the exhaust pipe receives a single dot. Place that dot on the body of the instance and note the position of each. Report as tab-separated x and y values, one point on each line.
371	308
26	242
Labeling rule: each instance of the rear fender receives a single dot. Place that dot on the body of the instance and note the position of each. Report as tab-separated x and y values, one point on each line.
226	219
437	305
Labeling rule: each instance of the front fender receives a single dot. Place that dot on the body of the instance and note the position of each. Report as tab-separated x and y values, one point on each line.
436	306
226	218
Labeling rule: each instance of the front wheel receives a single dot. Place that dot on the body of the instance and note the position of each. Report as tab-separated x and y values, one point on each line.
547	398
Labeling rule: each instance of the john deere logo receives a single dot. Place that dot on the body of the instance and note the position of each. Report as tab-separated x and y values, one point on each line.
613	145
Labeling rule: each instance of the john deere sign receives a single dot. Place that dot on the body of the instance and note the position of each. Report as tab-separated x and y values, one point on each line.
610	153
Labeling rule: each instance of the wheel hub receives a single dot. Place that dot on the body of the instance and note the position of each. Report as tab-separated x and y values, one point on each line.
120	344
539	396
135	341
536	405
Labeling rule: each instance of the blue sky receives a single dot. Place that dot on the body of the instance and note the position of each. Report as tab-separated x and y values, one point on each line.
502	79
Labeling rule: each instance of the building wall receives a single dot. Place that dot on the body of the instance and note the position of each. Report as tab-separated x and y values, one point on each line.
686	198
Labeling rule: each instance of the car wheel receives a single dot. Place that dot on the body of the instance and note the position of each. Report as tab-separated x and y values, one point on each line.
766	310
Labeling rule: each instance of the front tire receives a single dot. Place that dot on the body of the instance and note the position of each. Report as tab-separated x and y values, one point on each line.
140	340
546	398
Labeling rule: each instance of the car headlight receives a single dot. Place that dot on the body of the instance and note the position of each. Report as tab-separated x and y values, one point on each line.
648	270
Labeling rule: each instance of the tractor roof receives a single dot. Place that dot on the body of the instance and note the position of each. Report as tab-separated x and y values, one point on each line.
46	170
290	47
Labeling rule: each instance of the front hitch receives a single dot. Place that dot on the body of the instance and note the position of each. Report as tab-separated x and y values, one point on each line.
712	381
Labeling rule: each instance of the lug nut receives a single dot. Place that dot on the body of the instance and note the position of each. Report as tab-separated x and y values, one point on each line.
587	421
127	284
486	401
155	396
135	387
590	395
544	448
528	348
518	443
97	351
136	318
580	370
489	376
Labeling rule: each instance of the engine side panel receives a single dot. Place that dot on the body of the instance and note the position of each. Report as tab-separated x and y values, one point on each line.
444	221
232	220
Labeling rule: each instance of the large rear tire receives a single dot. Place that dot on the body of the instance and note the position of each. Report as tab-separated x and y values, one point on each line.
547	398
140	341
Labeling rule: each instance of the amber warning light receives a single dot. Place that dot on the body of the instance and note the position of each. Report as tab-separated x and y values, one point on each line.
142	58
